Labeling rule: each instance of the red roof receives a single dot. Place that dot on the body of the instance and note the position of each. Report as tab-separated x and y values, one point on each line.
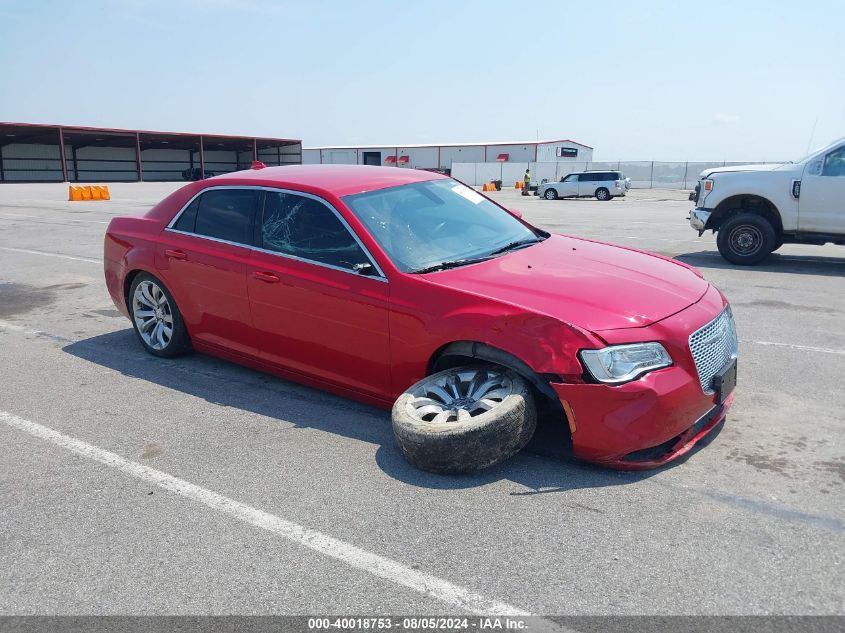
403	160
126	131
339	180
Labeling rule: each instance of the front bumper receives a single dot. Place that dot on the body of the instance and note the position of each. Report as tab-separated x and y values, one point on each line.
698	219
657	418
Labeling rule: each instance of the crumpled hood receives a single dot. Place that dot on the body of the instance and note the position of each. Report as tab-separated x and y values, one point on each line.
739	168
588	284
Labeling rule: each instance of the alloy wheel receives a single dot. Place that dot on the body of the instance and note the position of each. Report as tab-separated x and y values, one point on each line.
459	395
152	314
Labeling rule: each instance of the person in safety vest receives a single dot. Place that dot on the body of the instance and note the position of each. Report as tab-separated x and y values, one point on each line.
526	181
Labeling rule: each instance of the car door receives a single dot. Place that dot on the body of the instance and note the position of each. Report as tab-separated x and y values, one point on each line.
202	256
568	187
821	204
319	302
587	184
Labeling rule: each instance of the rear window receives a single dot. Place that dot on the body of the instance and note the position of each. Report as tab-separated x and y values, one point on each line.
226	214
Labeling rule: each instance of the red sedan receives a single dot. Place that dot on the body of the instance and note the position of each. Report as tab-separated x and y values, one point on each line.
406	288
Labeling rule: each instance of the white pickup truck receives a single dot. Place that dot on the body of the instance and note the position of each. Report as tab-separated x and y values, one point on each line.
757	208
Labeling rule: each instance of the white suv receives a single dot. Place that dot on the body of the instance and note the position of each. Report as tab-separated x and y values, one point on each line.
602	185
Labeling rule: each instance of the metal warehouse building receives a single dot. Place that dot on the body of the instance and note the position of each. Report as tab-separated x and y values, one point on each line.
52	153
442	156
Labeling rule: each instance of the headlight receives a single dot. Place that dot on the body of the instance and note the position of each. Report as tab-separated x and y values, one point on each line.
622	363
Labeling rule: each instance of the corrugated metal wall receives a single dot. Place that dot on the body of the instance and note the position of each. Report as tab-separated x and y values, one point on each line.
547	152
32	153
31	162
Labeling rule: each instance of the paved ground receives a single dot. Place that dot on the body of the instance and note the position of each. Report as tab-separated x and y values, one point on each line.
752	524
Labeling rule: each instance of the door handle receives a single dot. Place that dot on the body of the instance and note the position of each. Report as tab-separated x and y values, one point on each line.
175	254
270	278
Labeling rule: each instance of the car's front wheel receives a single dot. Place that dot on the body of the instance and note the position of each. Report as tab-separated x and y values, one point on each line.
464	419
746	239
602	194
551	194
156	318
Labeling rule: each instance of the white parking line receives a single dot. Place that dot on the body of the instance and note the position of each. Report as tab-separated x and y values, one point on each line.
806	348
90	260
353	556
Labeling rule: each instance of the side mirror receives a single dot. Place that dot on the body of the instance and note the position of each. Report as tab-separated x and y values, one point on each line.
516	213
365	268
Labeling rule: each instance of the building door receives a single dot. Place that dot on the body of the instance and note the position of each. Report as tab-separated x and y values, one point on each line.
372	158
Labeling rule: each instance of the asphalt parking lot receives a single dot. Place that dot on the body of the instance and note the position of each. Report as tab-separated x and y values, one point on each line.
753	523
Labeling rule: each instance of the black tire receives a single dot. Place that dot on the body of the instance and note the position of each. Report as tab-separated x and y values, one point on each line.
178	342
746	239
778	243
463	446
602	194
550	194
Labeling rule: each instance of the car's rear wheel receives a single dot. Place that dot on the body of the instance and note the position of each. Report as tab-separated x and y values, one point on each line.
746	239
602	194
156	318
464	419
551	194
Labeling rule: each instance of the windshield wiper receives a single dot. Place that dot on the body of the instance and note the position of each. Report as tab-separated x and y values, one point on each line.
449	264
516	245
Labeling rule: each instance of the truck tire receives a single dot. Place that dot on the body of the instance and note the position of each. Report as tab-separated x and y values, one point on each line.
464	419
746	239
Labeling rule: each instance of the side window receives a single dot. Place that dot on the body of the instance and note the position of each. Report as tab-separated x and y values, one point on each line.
308	229
570	178
587	177
188	218
226	214
834	163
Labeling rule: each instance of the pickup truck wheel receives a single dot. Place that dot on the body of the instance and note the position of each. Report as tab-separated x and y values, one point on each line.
602	194
551	194
464	419
746	239
778	243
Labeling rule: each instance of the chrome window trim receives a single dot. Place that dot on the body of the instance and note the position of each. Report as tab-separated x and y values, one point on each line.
380	277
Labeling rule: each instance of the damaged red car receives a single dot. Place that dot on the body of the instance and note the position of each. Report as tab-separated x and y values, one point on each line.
410	290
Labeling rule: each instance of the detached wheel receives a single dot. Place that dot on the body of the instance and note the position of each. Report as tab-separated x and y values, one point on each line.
746	239
156	319
464	419
550	194
602	194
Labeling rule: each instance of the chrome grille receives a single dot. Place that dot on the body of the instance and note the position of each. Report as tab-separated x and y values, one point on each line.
712	346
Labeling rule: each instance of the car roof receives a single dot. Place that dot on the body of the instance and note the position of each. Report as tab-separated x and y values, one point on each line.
340	180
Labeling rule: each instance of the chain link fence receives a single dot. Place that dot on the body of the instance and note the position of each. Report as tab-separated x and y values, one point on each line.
644	174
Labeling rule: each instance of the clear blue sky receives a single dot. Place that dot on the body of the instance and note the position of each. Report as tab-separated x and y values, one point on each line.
660	80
